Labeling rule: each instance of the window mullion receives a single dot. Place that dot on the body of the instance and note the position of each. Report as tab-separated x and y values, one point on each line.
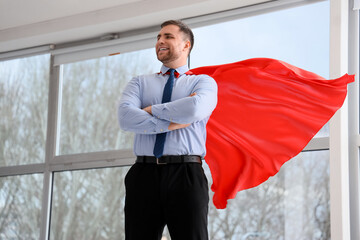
339	135
51	143
354	143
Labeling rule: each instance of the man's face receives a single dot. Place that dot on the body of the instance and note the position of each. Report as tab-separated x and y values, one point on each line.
171	46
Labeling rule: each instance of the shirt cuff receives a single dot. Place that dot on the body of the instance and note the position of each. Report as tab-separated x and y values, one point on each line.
157	111
160	125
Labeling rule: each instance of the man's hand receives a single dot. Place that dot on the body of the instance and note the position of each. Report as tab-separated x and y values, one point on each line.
148	110
174	126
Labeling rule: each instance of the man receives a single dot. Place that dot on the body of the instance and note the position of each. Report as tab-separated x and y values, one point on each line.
168	113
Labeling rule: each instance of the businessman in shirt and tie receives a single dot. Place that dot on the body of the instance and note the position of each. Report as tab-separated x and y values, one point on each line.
168	112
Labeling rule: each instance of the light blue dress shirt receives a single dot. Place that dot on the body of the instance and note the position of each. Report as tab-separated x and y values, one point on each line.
146	90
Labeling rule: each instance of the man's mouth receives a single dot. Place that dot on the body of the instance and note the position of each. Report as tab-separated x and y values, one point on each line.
163	49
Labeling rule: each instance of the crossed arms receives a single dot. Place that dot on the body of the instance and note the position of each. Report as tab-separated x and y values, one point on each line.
169	116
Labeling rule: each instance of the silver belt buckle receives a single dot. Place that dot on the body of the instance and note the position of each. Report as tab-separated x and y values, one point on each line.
159	163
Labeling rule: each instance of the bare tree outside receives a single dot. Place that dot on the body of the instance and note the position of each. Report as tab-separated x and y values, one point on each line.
266	211
89	204
23	124
24	87
91	91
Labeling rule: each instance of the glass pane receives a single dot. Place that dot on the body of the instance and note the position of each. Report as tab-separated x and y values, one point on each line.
89	204
283	35
91	91
292	205
24	87
20	206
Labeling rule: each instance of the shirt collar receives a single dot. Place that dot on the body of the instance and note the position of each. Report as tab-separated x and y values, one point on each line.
181	70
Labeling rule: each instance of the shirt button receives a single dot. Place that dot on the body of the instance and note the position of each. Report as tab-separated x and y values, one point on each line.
161	130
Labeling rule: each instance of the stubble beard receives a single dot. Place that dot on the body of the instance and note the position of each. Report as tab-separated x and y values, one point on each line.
167	57
164	58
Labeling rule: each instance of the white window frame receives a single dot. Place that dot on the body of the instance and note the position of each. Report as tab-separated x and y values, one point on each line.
344	126
354	119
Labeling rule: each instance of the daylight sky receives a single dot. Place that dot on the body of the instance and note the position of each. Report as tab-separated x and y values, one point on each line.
299	36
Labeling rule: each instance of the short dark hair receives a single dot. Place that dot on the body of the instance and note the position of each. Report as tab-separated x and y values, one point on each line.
183	28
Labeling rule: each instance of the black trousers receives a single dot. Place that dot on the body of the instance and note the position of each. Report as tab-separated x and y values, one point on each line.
175	195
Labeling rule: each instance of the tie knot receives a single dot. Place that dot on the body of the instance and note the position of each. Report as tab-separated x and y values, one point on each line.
173	72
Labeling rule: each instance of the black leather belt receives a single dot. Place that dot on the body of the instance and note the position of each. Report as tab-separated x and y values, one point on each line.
169	159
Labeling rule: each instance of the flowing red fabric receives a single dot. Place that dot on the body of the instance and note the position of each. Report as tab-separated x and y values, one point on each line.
267	112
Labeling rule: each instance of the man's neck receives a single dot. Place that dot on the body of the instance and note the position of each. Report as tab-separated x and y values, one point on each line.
175	64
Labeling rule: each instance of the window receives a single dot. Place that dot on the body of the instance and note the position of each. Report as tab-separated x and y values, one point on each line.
20	206
24	87
294	204
89	204
91	91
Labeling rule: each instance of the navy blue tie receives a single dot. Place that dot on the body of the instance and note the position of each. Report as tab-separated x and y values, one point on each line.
160	137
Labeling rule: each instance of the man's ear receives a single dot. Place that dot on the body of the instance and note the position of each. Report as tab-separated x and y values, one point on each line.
187	45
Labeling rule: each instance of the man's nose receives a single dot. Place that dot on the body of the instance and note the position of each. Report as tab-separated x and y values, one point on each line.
160	40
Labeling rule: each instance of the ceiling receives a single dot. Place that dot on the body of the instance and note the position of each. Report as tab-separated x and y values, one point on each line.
25	23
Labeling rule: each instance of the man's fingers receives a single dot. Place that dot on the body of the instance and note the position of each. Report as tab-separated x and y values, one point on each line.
174	126
148	109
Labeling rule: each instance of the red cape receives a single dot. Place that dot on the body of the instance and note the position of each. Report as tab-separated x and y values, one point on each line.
267	112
